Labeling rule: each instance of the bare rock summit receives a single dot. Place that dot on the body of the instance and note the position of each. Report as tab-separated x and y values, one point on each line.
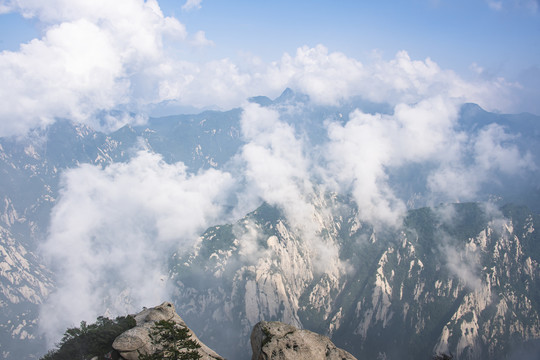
278	341
137	340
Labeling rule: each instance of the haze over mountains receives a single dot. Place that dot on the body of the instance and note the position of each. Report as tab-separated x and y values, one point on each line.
348	167
285	210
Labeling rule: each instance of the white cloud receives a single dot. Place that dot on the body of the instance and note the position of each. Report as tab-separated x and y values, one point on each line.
493	151
192	5
361	151
276	167
462	263
113	230
100	56
325	77
73	70
455	182
328	78
200	40
249	237
480	158
125	219
92	56
103	55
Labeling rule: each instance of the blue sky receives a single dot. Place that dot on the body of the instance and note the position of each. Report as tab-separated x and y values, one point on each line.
199	54
453	33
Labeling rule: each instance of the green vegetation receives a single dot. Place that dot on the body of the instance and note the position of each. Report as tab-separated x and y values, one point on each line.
88	341
173	342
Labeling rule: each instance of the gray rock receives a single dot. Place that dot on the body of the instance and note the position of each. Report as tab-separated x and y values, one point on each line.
278	341
137	340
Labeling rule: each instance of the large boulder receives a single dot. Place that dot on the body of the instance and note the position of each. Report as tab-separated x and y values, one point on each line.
137	340
278	341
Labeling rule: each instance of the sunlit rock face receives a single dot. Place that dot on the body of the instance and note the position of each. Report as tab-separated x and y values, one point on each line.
465	284
137	340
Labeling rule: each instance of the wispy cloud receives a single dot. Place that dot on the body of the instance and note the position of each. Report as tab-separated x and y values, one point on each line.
495	5
200	40
278	167
192	5
462	263
126	219
526	5
480	158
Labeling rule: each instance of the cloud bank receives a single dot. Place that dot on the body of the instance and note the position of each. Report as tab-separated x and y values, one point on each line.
93	56
101	56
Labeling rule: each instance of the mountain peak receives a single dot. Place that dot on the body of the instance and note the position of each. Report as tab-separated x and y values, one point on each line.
289	95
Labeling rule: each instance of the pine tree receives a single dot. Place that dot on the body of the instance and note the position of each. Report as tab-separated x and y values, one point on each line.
173	342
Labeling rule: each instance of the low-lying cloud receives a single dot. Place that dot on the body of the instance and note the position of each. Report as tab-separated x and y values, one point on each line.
361	151
113	230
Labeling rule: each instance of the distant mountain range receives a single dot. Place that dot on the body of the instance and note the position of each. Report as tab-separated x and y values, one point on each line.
460	278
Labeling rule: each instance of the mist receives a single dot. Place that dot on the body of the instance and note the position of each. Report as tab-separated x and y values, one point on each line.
112	233
114	228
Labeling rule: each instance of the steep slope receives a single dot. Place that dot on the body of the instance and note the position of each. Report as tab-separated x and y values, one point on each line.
24	283
457	279
258	268
31	171
31	174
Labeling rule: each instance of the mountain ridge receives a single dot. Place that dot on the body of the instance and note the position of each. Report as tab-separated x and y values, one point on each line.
380	306
34	182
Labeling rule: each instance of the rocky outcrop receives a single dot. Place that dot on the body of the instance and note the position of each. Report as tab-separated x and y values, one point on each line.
269	340
137	340
278	341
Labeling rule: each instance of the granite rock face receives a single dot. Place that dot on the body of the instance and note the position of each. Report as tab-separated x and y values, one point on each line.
137	340
278	341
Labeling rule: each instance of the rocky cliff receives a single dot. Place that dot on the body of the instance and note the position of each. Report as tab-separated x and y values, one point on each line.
137	340
460	278
269	340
